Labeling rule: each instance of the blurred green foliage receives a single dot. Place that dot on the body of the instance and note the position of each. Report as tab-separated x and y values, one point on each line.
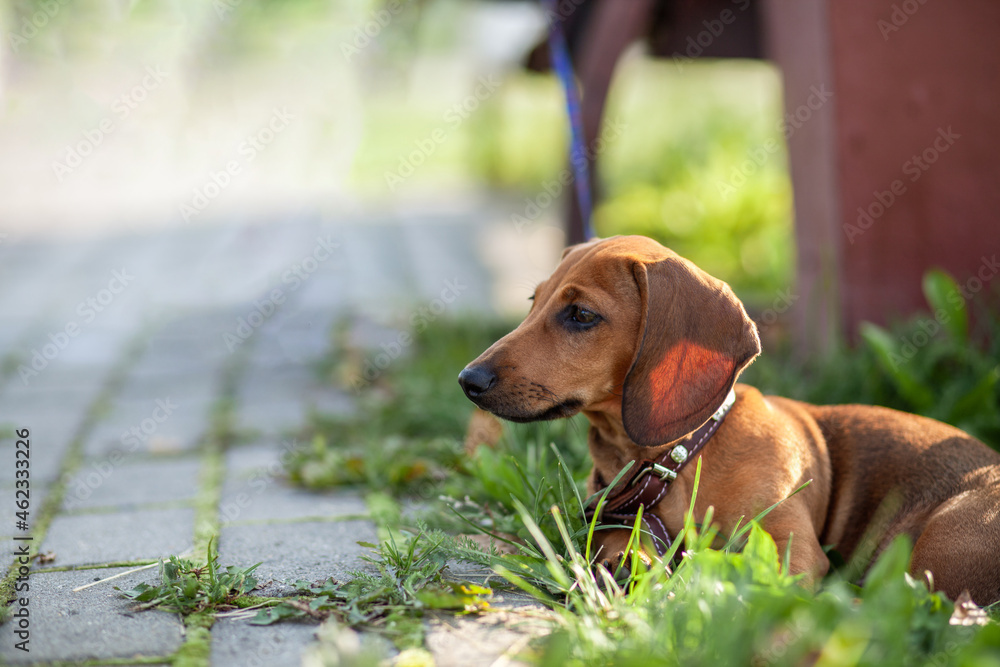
694	158
702	169
944	364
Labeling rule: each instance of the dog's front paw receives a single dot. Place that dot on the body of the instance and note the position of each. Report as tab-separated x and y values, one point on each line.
614	555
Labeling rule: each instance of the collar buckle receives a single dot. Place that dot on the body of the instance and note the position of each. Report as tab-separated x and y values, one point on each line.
663	472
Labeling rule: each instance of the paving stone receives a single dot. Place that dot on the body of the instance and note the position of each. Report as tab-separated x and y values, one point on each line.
272	417
243	460
237	642
95	347
85	539
267	383
290	346
442	257
193	339
128	482
327	291
379	266
203	358
53	263
458	641
288	552
10	334
307	398
94	623
162	425
256	471
65	404
73	379
261	495
186	388
279	401
29	256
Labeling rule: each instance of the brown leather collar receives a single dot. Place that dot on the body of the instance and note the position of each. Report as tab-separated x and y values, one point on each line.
648	481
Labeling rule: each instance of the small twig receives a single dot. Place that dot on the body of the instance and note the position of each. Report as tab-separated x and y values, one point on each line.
122	574
303	607
115	576
242	610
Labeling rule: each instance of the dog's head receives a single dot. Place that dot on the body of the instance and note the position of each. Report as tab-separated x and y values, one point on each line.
624	326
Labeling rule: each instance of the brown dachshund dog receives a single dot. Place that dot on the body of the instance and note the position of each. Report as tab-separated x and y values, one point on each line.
648	347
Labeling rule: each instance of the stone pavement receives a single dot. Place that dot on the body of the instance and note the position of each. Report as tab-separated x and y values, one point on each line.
122	356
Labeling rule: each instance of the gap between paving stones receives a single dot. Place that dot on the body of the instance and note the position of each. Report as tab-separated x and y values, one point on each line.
112	509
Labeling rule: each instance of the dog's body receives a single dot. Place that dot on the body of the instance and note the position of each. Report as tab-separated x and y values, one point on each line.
648	346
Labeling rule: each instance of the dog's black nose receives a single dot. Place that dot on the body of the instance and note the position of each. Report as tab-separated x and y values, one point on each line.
476	380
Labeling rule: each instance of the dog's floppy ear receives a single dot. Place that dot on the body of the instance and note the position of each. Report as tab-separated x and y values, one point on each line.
694	340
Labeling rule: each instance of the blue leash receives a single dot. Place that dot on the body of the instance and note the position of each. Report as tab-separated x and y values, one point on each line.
578	157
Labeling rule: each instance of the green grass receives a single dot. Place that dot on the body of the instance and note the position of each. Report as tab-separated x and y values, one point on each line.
189	588
409	581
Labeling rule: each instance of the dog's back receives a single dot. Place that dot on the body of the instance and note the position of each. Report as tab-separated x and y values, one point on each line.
919	477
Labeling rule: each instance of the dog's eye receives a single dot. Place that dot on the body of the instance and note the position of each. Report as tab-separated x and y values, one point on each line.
582	316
